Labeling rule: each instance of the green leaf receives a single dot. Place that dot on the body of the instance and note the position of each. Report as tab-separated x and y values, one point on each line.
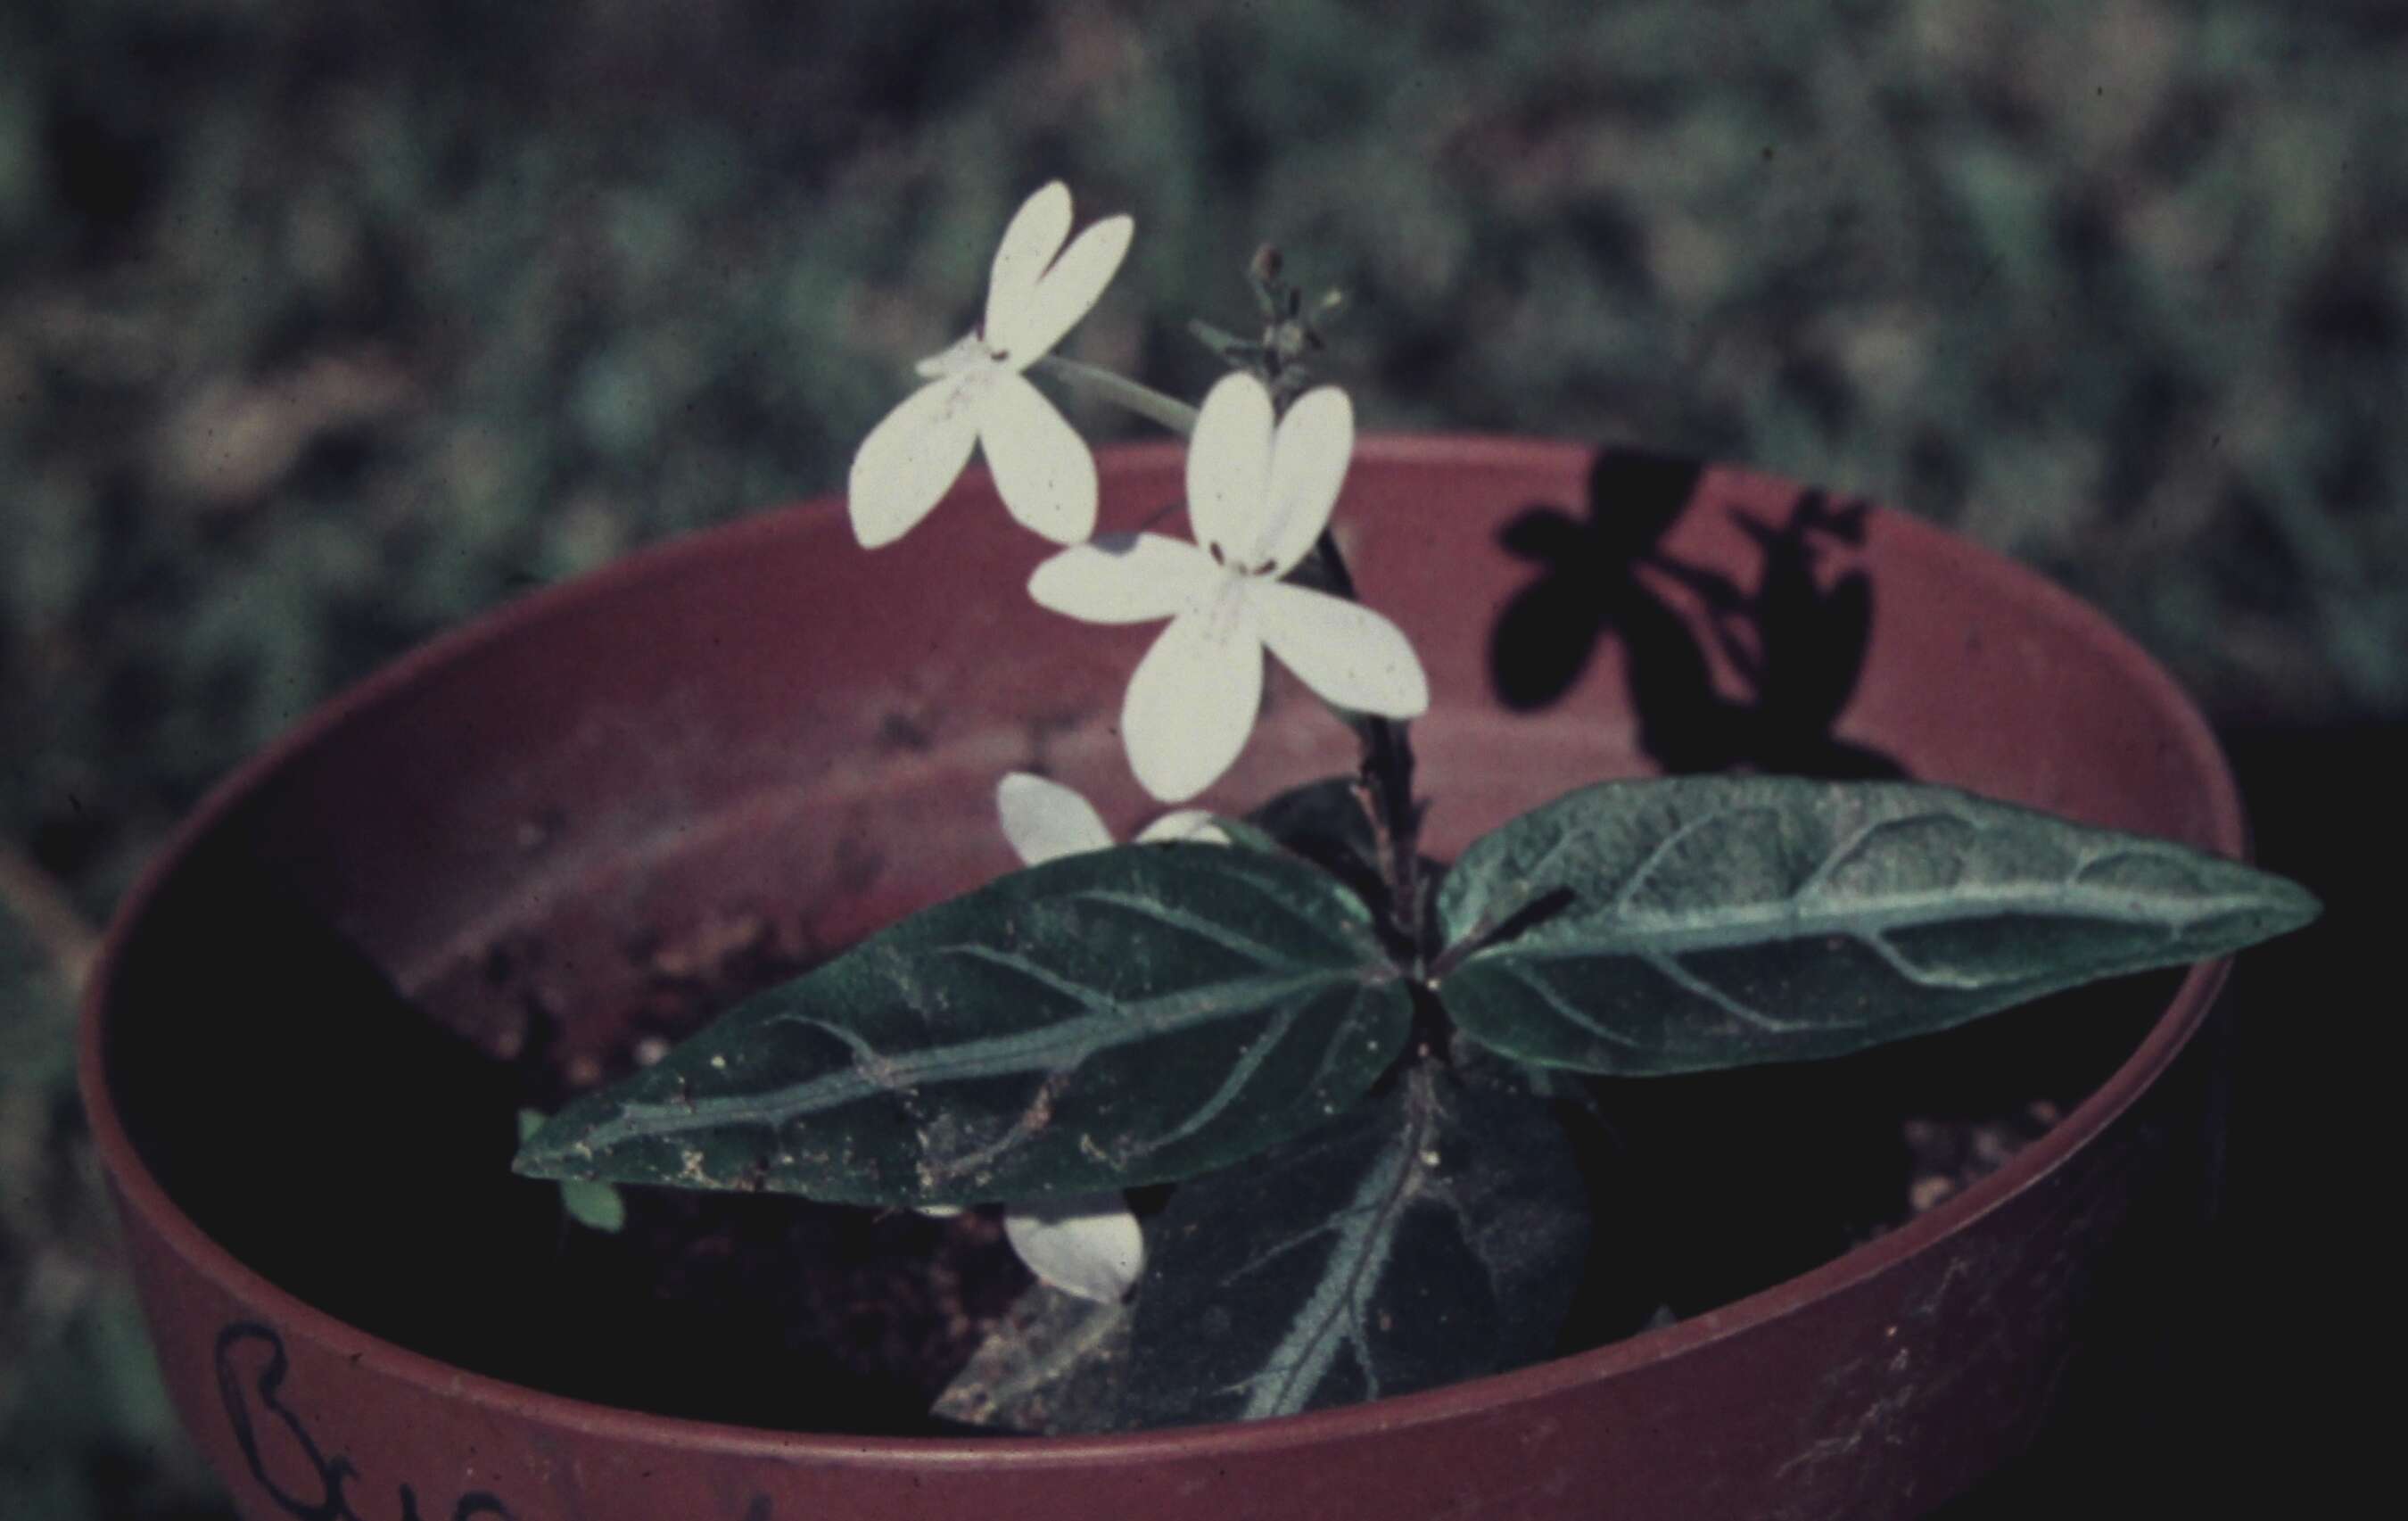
596	1206
1433	1235
1326	822
1116	1017
1053	1367
1644	928
1243	834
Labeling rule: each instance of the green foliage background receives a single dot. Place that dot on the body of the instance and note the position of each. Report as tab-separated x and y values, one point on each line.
326	326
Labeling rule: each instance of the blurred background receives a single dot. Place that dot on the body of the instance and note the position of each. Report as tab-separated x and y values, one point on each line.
324	327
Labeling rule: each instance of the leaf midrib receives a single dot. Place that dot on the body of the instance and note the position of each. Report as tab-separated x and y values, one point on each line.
1366	1234
1050	1048
1627	932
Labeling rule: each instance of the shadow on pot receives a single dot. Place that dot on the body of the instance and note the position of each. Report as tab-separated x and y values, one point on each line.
1728	1183
349	1146
311	1120
1795	639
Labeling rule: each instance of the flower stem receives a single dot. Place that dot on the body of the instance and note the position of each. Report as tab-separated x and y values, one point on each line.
1386	775
1388	767
1120	391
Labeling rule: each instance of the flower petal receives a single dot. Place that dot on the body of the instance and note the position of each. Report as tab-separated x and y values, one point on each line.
1029	329
1124	579
1029	243
1344	652
1183	826
1309	459
1193	701
964	354
1042	470
1228	466
1046	821
1088	1244
912	457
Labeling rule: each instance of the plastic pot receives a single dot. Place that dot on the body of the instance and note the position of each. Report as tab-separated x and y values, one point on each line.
766	721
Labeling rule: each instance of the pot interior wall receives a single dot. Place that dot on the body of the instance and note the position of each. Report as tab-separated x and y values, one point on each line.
765	737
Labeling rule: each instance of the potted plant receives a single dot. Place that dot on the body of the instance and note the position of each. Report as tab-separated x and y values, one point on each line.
1394	1061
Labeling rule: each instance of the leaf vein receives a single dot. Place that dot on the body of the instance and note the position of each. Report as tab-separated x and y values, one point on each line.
1664	848
1203	929
1044	1048
1728	1003
1564	1009
1241	1072
1857	843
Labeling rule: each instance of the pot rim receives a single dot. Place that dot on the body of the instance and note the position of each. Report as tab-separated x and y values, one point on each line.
141	1194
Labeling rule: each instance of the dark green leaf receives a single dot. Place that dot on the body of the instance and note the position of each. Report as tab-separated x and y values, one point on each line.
1322	820
596	1206
1053	1367
1433	1235
1240	832
1327	823
1643	927
1123	1016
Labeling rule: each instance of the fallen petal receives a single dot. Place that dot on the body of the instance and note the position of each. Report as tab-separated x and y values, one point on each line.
1089	1244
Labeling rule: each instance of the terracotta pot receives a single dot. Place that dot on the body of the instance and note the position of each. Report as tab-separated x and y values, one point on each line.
765	721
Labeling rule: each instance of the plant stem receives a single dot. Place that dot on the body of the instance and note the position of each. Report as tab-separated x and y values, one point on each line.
1387	773
1387	768
1120	391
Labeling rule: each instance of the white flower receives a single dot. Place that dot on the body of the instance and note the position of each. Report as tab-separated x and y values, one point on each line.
1045	821
1087	1245
976	394
1257	498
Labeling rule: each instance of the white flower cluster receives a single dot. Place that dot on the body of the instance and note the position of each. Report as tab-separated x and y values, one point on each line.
1087	1245
1259	493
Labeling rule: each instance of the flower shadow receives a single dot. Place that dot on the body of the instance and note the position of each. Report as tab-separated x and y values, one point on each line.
1794	639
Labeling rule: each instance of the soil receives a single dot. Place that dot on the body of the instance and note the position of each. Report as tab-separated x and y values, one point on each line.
795	1315
838	1318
